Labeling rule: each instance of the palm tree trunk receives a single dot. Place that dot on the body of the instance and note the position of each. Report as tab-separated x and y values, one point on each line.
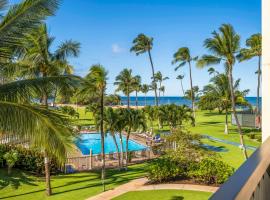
230	77
128	99
121	148
117	149
159	92
153	74
144	99
191	91
47	174
136	92
54	97
183	91
258	86
128	134
226	120
102	138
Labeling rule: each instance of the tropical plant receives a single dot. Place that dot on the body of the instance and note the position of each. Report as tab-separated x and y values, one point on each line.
11	158
159	78
162	89
224	47
254	44
111	120
193	94
135	120
183	57
125	83
151	115
145	89
181	77
69	110
212	70
95	83
137	87
143	44
52	136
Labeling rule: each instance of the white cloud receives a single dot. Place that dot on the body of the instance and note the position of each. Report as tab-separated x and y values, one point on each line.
117	49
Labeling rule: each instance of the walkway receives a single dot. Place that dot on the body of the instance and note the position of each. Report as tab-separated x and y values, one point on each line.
139	184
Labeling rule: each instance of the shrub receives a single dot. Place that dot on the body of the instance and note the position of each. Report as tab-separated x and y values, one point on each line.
164	169
28	159
210	171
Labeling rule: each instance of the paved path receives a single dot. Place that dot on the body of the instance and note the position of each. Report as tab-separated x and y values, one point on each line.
139	184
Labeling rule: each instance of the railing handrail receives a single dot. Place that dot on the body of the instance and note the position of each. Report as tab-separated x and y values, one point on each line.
244	181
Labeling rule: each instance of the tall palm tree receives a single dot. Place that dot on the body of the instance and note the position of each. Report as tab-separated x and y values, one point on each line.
183	57
212	70
254	44
95	83
181	77
159	78
111	119
137	87
224	47
143	44
144	89
162	89
125	82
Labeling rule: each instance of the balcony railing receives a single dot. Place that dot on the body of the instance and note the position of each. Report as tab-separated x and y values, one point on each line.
251	181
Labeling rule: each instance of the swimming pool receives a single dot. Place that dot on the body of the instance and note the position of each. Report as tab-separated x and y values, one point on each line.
93	141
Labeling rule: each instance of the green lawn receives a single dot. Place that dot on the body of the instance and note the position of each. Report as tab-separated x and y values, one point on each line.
164	195
85	118
77	186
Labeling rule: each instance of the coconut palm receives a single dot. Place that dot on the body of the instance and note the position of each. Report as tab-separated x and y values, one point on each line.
143	44
137	87
145	89
224	47
95	83
159	78
111	119
151	113
181	77
162	89
212	70
183	57
254	44
125	82
135	119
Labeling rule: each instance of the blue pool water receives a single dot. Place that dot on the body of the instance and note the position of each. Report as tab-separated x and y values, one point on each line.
93	141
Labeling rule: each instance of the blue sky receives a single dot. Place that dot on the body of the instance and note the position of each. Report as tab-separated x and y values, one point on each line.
106	28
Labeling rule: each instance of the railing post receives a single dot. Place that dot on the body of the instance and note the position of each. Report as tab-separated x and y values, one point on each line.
265	69
91	159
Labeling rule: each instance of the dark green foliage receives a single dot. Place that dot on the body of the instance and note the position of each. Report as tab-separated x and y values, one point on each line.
210	171
29	160
69	111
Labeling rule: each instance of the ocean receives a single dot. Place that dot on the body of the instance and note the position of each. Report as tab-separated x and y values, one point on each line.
169	100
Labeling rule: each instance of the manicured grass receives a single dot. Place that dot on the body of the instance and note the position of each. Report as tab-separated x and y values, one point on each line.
21	185
164	195
85	119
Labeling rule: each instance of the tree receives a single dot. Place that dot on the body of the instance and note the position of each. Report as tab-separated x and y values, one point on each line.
183	57
224	46
212	70
137	87
11	158
159	78
181	77
145	89
135	119
192	94
20	20
95	83
125	82
151	115
162	89
143	44
254	44
111	120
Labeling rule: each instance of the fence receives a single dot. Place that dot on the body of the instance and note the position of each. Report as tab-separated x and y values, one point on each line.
90	162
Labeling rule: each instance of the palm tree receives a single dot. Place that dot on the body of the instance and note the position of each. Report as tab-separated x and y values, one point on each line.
135	119
254	44
143	44
181	77
162	89
183	56
145	89
20	20
137	87
224	46
111	119
95	83
151	113
125	82
159	78
212	70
